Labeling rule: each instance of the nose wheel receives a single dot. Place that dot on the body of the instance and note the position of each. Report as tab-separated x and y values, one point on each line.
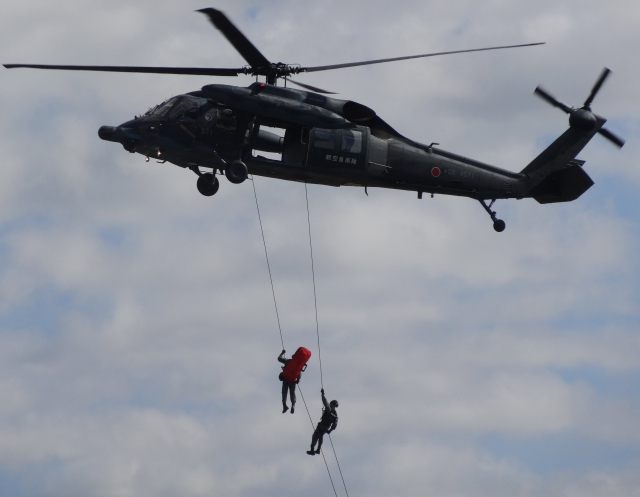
498	224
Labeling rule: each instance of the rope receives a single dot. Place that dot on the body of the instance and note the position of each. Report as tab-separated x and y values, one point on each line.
313	276
321	451
338	462
268	266
315	301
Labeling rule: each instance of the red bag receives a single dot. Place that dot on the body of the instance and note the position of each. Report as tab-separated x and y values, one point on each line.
293	368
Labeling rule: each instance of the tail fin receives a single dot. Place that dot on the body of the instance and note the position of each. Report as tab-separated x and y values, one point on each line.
556	175
563	185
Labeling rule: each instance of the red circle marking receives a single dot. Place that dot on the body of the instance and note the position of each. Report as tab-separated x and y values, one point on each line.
435	172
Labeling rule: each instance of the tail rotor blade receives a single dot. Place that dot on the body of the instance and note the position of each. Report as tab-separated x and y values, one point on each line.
239	41
545	95
596	88
611	137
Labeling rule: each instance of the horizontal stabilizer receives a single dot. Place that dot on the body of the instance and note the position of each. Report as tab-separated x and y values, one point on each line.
564	185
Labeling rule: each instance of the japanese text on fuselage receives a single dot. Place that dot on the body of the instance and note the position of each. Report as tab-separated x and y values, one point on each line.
338	159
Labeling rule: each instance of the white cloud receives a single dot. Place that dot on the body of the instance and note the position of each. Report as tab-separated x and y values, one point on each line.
137	333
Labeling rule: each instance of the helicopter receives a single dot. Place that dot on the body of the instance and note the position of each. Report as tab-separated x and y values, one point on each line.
330	141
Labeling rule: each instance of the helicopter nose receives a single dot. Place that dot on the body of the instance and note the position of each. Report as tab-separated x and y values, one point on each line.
107	133
118	134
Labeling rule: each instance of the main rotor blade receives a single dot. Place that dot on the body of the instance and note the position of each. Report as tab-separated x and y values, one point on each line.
380	61
596	88
239	41
611	137
197	71
551	99
312	88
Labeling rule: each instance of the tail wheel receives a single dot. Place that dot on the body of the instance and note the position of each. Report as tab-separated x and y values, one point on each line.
236	172
499	225
208	184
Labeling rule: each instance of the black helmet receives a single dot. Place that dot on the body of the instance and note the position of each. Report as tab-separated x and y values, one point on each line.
333	403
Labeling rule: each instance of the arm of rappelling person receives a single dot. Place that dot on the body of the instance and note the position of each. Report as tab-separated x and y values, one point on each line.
281	357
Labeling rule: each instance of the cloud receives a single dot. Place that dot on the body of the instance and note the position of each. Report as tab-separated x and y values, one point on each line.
138	338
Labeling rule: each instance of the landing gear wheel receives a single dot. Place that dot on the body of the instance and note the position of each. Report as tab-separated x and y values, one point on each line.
236	172
498	224
208	184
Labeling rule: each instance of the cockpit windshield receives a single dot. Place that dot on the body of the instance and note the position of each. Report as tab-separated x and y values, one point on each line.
163	108
177	106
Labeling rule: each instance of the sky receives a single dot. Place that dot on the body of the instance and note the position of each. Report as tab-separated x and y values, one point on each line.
138	338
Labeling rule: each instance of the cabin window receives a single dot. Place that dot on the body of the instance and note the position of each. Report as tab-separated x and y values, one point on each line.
351	141
324	138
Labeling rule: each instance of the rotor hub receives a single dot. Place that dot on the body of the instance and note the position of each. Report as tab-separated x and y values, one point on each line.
582	118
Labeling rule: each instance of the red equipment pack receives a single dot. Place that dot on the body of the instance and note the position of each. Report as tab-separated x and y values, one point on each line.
296	365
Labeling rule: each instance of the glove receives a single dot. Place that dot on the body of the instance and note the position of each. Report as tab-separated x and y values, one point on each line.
284	351
322	391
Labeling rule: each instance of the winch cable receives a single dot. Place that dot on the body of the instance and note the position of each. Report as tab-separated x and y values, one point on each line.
266	255
313	276
337	462
315	301
321	451
280	329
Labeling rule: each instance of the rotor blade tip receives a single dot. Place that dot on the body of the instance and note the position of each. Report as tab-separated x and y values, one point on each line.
209	11
615	139
539	91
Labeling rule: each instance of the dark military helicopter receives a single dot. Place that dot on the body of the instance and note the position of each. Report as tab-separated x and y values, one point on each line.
331	141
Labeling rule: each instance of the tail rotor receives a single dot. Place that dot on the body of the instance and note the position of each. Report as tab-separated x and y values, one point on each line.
583	117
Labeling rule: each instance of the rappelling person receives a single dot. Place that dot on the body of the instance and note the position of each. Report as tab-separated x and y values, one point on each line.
288	386
328	423
290	376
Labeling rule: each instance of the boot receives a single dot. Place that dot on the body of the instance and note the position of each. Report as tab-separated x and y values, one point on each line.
293	408
318	451
311	452
285	408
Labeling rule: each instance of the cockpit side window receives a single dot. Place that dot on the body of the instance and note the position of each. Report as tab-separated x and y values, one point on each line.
226	119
